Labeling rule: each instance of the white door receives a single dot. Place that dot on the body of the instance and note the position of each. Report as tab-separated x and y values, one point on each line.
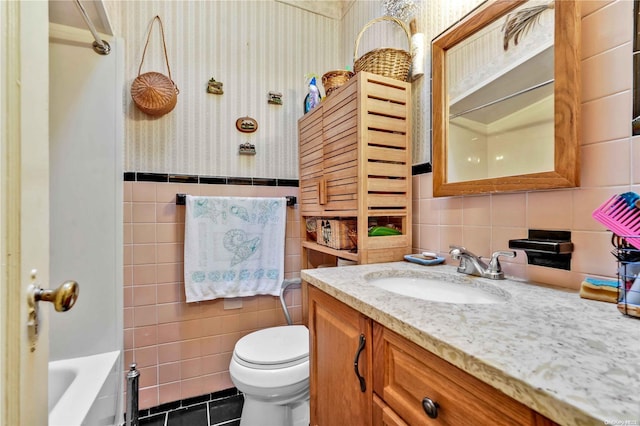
24	207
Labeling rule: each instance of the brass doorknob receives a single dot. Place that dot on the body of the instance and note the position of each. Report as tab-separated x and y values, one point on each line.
63	298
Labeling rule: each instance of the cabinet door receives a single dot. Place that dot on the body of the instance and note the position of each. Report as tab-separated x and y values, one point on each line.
340	151
336	333
311	168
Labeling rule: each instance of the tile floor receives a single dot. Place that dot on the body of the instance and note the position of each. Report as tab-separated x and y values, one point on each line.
217	409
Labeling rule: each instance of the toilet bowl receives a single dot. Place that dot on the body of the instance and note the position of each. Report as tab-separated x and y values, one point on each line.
271	368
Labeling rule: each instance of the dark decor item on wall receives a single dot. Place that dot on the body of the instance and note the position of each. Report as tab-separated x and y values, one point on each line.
546	248
152	92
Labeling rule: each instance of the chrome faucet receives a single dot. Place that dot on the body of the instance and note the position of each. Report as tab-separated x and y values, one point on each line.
473	265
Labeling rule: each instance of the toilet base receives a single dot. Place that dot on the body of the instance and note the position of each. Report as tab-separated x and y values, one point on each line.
260	413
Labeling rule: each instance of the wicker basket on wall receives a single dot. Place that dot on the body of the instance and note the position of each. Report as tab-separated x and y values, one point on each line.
386	61
152	92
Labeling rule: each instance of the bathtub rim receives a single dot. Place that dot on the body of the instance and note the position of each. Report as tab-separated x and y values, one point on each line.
92	372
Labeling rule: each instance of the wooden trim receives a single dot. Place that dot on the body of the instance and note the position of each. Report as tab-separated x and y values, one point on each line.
10	303
345	254
568	87
24	232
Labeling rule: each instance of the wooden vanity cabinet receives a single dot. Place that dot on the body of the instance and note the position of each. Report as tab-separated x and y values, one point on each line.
335	334
355	163
398	373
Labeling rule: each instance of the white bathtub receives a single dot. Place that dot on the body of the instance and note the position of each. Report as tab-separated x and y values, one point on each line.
85	391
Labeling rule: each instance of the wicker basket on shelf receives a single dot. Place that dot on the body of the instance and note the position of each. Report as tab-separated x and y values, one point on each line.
334	233
312	228
386	61
332	80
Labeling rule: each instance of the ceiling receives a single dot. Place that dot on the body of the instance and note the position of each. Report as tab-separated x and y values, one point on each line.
67	12
334	9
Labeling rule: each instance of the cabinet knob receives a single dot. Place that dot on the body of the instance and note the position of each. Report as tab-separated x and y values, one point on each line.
430	407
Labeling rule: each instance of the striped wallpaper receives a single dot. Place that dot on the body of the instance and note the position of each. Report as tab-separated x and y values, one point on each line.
253	47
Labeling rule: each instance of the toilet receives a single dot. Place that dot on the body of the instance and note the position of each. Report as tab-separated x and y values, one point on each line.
271	368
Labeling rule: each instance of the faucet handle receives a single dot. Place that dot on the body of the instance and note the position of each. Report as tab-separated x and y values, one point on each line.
456	251
494	270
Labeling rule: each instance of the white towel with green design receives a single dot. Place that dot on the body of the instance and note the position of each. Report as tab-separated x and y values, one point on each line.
233	246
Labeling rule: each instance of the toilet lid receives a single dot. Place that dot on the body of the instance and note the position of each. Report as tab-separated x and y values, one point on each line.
274	346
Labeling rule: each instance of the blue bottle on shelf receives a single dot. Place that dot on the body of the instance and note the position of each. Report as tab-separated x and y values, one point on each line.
312	99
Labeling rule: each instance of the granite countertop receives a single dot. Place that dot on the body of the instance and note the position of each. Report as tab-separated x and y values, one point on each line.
576	361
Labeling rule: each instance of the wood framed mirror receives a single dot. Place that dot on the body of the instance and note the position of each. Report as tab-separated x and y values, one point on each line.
506	108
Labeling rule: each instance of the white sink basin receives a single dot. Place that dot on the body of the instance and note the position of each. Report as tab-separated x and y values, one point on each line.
439	288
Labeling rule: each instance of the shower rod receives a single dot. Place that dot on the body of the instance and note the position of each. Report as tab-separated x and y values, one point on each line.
99	45
513	95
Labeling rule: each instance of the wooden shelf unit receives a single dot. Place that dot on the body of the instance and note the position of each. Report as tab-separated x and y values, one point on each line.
355	162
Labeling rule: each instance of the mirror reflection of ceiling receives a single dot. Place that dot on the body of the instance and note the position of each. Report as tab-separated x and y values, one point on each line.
334	9
480	71
66	12
513	81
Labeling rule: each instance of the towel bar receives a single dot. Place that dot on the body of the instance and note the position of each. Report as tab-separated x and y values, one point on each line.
181	200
